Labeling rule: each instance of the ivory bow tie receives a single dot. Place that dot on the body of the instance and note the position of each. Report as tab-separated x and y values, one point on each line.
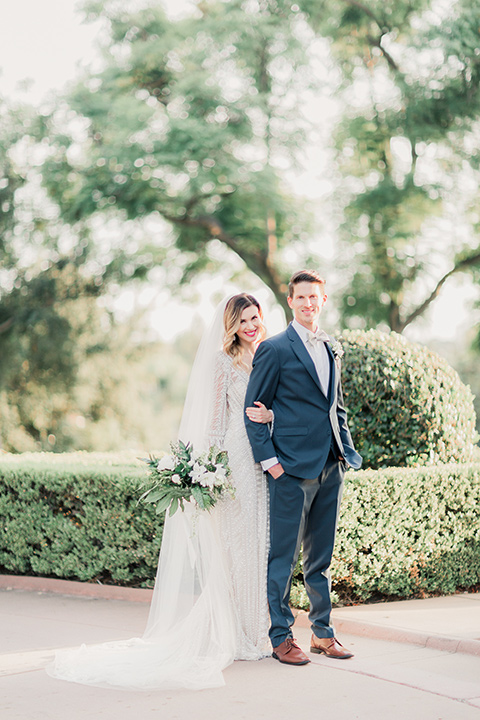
316	337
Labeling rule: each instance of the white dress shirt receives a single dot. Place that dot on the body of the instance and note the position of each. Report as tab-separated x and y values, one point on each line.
315	344
319	354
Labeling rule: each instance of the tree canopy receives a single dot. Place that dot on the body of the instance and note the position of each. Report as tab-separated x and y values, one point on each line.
191	120
408	151
178	155
197	119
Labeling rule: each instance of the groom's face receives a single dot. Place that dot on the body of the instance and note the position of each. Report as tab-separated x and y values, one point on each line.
306	303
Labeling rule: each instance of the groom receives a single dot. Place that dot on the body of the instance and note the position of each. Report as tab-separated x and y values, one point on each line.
297	375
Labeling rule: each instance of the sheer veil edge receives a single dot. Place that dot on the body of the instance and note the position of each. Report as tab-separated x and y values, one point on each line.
190	633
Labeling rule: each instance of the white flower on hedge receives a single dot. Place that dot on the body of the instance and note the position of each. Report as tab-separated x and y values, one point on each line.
176	479
167	462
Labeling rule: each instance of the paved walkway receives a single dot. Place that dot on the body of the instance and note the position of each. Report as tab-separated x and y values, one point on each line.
418	659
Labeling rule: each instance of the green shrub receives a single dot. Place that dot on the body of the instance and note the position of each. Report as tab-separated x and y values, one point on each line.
403	532
406	405
76	516
408	532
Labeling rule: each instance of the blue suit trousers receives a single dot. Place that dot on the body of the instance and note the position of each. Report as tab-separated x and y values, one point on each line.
303	510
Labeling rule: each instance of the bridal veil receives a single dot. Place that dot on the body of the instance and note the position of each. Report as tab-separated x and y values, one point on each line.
190	634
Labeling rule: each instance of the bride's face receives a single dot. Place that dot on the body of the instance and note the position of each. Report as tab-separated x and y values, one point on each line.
250	326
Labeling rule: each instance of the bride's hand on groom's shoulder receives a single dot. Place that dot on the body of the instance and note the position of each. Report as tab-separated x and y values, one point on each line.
259	414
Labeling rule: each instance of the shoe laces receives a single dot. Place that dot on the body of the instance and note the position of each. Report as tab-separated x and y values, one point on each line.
291	642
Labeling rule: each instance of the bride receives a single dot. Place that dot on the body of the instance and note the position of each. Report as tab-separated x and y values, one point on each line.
209	605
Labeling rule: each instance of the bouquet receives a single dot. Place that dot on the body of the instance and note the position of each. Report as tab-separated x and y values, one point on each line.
185	475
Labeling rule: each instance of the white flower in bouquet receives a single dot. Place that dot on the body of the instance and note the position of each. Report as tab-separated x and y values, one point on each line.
208	480
197	472
220	474
167	462
186	475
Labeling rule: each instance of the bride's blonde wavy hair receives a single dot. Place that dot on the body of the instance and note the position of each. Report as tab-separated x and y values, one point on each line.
231	322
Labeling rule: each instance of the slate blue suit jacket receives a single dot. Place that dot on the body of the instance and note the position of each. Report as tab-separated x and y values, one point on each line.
306	421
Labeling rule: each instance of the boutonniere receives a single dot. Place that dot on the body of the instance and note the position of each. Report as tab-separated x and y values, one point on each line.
337	349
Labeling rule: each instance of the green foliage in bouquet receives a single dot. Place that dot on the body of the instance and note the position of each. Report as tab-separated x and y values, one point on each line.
185	476
406	405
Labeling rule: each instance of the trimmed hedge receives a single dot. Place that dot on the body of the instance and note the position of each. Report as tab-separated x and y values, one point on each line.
406	405
76	516
403	532
408	532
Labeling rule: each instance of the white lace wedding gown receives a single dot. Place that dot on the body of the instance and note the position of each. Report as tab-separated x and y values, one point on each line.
210	604
243	520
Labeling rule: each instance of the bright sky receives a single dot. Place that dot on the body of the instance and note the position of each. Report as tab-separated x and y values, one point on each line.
46	42
42	41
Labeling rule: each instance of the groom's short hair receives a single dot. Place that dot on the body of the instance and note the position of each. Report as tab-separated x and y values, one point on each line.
310	276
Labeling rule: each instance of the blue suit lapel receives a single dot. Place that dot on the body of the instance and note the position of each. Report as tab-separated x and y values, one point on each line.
302	354
332	389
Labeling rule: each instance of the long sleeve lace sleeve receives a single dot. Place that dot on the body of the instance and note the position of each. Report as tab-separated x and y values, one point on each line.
217	421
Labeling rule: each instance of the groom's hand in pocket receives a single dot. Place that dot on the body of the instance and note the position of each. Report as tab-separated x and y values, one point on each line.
276	470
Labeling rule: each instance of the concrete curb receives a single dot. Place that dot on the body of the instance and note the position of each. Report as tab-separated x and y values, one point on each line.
396	634
342	624
70	587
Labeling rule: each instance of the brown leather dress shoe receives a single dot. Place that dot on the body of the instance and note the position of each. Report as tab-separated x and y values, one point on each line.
289	653
329	647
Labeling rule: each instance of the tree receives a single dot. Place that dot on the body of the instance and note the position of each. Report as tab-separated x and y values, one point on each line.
191	120
71	375
407	151
194	120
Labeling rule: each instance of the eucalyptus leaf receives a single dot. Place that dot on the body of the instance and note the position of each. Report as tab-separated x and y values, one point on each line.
198	496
